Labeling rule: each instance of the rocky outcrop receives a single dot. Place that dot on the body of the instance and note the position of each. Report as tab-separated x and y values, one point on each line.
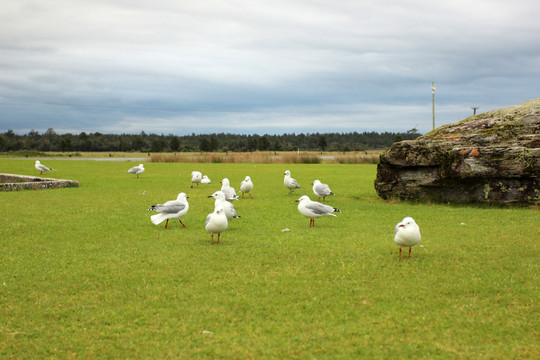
11	182
491	158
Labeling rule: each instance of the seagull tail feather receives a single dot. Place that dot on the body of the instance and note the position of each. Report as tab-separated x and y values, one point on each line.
157	219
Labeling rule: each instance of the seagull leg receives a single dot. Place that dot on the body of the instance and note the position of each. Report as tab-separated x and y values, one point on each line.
251	195
410	252
181	223
167	223
400	253
41	173
218	235
212	239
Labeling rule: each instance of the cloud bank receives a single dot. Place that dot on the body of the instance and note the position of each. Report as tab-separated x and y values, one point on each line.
261	67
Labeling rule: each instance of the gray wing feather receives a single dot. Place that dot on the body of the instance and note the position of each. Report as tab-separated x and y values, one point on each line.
319	208
169	208
323	189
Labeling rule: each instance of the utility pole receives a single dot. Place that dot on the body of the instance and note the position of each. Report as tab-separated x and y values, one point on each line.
474	109
433	102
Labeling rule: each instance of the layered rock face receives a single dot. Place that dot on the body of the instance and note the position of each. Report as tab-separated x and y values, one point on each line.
491	158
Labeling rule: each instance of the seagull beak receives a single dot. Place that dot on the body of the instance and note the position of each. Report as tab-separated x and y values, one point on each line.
297	200
210	196
401	225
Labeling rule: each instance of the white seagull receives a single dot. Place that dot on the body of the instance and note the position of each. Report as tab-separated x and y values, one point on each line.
216	223
230	193
196	178
173	209
289	182
321	190
407	233
246	186
40	167
205	180
313	209
228	207
136	170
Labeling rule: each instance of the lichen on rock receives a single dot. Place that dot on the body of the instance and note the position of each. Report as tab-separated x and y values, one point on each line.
491	158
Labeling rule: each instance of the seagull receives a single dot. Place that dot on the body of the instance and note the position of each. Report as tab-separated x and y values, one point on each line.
216	223
40	167
230	193
136	170
407	233
289	182
205	180
173	209
228	207
246	186
196	178
313	209
321	190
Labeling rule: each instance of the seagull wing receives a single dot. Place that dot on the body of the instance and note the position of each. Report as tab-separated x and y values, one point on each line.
319	209
170	207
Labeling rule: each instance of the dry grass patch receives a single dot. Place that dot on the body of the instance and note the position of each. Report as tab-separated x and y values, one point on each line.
270	157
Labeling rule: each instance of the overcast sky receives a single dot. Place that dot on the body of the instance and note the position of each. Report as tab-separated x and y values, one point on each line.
261	66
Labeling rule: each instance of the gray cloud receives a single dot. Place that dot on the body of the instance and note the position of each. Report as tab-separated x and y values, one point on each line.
261	67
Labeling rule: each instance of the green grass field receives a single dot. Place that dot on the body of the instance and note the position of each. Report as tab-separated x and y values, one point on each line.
85	274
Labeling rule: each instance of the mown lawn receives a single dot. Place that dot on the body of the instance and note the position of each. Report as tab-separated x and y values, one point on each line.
85	274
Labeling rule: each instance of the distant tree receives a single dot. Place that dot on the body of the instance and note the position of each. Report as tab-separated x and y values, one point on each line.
174	143
157	145
4	142
213	143
10	134
277	145
322	142
50	133
252	143
138	143
65	144
263	143
204	145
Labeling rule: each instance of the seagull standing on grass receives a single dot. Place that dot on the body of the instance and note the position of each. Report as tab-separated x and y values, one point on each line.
230	193
407	233
40	167
136	170
173	209
216	223
228	207
289	182
205	180
313	209
321	190
196	178
246	186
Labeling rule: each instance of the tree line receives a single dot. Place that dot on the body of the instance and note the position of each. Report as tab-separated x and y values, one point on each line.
143	142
